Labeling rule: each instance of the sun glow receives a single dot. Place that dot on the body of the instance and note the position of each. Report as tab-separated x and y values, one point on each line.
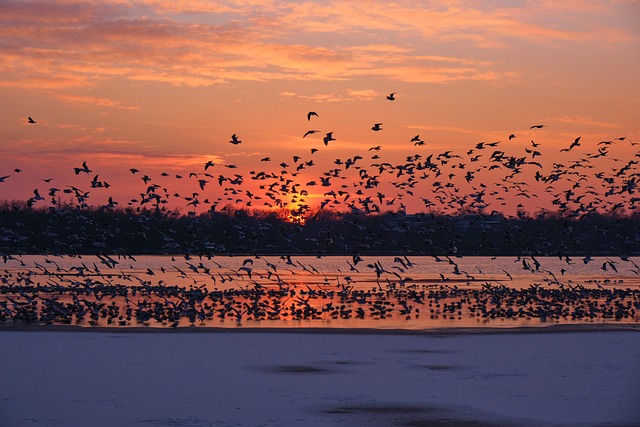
298	214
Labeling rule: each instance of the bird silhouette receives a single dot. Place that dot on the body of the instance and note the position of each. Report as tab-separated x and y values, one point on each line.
328	137
30	120
391	96
235	140
376	127
84	169
311	113
574	144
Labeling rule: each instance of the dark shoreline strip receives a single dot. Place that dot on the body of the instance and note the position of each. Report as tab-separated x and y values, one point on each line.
331	331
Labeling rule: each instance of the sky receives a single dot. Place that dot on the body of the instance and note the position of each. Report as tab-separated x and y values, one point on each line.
160	86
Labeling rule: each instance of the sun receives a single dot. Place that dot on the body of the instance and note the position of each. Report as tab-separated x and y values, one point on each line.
298	214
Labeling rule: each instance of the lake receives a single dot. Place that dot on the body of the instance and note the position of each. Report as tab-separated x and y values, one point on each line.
379	292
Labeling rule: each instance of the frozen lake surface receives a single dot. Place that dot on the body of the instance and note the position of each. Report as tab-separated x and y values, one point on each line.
249	378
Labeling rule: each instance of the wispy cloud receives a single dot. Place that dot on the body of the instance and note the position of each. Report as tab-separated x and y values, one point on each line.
582	121
93	101
485	24
65	44
110	152
351	95
78	51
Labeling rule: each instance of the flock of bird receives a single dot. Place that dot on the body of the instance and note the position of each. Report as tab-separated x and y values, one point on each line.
89	295
488	176
497	176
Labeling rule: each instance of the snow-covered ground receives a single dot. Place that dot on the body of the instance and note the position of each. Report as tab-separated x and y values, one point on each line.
297	378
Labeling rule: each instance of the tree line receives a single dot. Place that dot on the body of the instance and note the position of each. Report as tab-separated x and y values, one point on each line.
101	230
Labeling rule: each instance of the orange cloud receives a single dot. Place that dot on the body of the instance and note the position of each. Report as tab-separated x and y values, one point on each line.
583	121
166	49
90	100
484	25
351	95
63	44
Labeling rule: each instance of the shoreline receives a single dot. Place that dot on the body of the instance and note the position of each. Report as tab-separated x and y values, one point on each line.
517	330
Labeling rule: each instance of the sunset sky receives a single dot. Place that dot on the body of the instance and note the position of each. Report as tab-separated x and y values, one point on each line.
162	85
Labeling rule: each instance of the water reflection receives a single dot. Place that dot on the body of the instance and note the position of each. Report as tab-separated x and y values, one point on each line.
334	292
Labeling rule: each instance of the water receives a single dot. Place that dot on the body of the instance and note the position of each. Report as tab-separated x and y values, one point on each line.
332	292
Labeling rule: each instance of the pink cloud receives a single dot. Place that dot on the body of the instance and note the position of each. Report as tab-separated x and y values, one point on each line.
351	95
583	121
90	100
80	43
181	53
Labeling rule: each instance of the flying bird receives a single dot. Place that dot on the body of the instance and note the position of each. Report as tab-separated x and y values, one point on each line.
391	96
311	113
234	140
328	138
536	127
513	135
310	132
84	169
2	178
30	120
36	195
575	143
376	127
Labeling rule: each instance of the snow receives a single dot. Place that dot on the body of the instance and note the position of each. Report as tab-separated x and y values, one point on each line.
318	378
